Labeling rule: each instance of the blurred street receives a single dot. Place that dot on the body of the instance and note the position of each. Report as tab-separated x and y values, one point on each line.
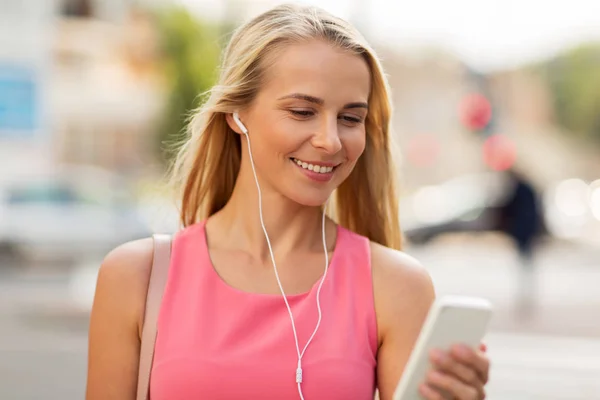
555	354
495	121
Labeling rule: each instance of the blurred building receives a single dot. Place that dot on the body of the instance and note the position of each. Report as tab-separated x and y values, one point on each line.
427	87
25	31
527	113
107	91
80	85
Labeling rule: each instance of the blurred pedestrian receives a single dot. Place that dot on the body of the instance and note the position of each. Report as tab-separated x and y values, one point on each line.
521	220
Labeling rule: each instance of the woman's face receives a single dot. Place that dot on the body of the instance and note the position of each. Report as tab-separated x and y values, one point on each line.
307	123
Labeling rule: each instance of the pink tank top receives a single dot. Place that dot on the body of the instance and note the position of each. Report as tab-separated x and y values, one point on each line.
216	342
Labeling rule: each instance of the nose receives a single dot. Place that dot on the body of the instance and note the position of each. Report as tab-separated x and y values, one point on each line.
327	137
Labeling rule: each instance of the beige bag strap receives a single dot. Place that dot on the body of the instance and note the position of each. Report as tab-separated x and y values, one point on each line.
156	286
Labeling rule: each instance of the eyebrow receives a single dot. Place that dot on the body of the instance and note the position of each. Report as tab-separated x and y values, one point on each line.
316	100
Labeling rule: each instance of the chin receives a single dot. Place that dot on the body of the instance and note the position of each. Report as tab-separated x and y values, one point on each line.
310	198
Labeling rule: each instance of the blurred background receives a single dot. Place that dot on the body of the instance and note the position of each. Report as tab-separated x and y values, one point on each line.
497	117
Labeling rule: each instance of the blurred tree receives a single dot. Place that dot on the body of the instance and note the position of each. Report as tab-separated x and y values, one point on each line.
191	50
574	80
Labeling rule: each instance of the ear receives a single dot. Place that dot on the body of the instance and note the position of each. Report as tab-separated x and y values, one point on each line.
232	124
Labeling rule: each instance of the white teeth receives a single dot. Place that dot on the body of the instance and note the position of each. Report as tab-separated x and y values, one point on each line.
316	168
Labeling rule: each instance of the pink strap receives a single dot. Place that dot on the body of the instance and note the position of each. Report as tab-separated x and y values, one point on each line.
156	286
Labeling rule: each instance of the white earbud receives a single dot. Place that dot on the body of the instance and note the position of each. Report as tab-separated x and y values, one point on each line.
236	118
300	353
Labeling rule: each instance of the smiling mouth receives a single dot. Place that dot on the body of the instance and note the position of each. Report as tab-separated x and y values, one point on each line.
320	169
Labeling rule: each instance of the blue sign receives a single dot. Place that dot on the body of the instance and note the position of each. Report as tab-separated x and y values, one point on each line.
19	101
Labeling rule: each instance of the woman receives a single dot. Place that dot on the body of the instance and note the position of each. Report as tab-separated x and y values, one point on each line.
301	111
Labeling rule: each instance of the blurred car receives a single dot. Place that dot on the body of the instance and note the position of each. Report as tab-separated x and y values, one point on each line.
56	217
469	203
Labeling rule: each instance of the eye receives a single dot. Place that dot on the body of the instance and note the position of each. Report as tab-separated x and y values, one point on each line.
351	120
302	113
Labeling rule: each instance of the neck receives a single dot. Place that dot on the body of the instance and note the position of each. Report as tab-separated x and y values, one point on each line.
289	225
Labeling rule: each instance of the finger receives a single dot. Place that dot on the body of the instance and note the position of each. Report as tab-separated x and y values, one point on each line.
483	347
446	363
429	393
474	359
452	385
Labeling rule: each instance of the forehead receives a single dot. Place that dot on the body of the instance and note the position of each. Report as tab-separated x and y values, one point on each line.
319	69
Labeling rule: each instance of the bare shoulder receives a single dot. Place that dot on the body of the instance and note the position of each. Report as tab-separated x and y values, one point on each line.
116	320
133	257
402	286
403	293
124	276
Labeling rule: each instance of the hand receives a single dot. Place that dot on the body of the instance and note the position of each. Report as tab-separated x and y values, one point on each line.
460	374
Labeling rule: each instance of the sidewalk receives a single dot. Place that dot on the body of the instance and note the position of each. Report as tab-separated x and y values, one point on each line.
528	367
567	300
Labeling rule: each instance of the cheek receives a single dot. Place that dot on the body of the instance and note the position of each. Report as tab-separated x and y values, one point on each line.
354	145
279	138
269	144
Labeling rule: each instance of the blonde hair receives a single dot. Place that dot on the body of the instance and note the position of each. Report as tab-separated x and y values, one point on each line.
208	162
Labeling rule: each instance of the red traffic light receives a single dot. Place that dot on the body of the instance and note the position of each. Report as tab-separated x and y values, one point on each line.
499	152
475	111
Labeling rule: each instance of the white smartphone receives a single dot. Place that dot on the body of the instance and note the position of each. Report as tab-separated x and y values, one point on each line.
451	320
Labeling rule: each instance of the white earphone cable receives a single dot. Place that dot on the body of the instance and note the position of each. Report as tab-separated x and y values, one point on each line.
300	353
